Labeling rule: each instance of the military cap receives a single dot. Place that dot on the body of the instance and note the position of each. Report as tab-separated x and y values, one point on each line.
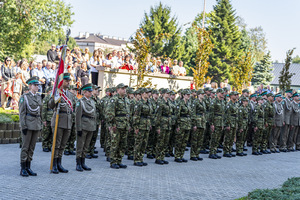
155	92
87	87
200	91
193	90
113	89
96	87
259	98
167	91
130	91
264	93
220	90
138	91
67	76
253	95
172	92
143	90
33	80
289	91
213	91
244	99
245	91
107	89
206	89
160	90
179	91
295	95
187	91
270	94
148	90
121	85
225	89
278	95
233	93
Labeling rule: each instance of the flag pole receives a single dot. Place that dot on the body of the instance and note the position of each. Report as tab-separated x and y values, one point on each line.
57	116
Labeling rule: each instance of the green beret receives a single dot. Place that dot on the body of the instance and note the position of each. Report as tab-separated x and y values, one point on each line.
67	76
245	91
278	95
87	87
200	91
219	90
121	85
295	95
33	80
253	95
264	93
289	91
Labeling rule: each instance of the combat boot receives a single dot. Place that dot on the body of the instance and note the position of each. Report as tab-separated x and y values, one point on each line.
194	158
84	165
227	155
160	162
212	156
60	167
54	169
66	153
29	171
122	166
23	171
198	158
72	152
78	165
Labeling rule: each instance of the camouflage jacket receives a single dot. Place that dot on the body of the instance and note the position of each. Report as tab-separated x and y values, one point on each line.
217	109
117	112
173	117
259	116
243	117
97	102
154	111
163	115
183	115
230	117
103	102
142	115
269	112
198	113
47	112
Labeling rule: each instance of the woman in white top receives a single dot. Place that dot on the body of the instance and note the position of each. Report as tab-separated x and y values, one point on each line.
94	63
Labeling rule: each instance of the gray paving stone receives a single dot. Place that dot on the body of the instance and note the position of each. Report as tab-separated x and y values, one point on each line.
228	178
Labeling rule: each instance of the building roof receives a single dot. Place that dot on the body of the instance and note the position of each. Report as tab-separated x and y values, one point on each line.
92	38
294	68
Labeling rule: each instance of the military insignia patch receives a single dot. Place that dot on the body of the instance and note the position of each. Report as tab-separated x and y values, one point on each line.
21	100
112	100
78	103
177	107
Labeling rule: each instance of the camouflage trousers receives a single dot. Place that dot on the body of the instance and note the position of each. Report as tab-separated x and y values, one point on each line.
118	145
71	141
171	143
256	140
107	142
102	135
229	136
130	143
93	141
265	137
207	135
47	136
181	138
214	140
240	140
162	142
140	144
152	141
83	143
196	141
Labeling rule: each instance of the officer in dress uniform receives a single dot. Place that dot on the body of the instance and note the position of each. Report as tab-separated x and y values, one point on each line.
67	105
85	125
30	108
284	135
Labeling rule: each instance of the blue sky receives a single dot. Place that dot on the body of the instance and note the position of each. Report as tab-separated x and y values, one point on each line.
278	18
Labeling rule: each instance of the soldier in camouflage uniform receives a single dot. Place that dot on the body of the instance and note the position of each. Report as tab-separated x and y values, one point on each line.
142	126
91	152
70	146
183	116
199	125
269	118
117	116
259	125
163	126
153	132
216	121
230	120
173	125
130	137
47	130
207	101
103	124
242	130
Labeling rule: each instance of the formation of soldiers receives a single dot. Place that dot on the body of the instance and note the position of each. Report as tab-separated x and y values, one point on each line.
160	123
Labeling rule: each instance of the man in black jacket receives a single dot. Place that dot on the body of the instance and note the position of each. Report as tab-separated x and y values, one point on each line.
52	54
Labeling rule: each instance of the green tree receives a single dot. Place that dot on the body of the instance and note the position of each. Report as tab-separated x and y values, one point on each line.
29	22
296	59
262	71
226	38
285	78
163	32
259	42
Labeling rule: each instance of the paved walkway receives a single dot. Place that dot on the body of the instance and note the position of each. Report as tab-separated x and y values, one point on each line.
228	178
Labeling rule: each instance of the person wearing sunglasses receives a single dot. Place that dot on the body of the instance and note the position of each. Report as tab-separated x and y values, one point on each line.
30	109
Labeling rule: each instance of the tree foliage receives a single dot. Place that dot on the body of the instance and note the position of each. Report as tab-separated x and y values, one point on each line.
204	49
285	78
259	42
296	59
262	71
163	32
226	38
29	22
